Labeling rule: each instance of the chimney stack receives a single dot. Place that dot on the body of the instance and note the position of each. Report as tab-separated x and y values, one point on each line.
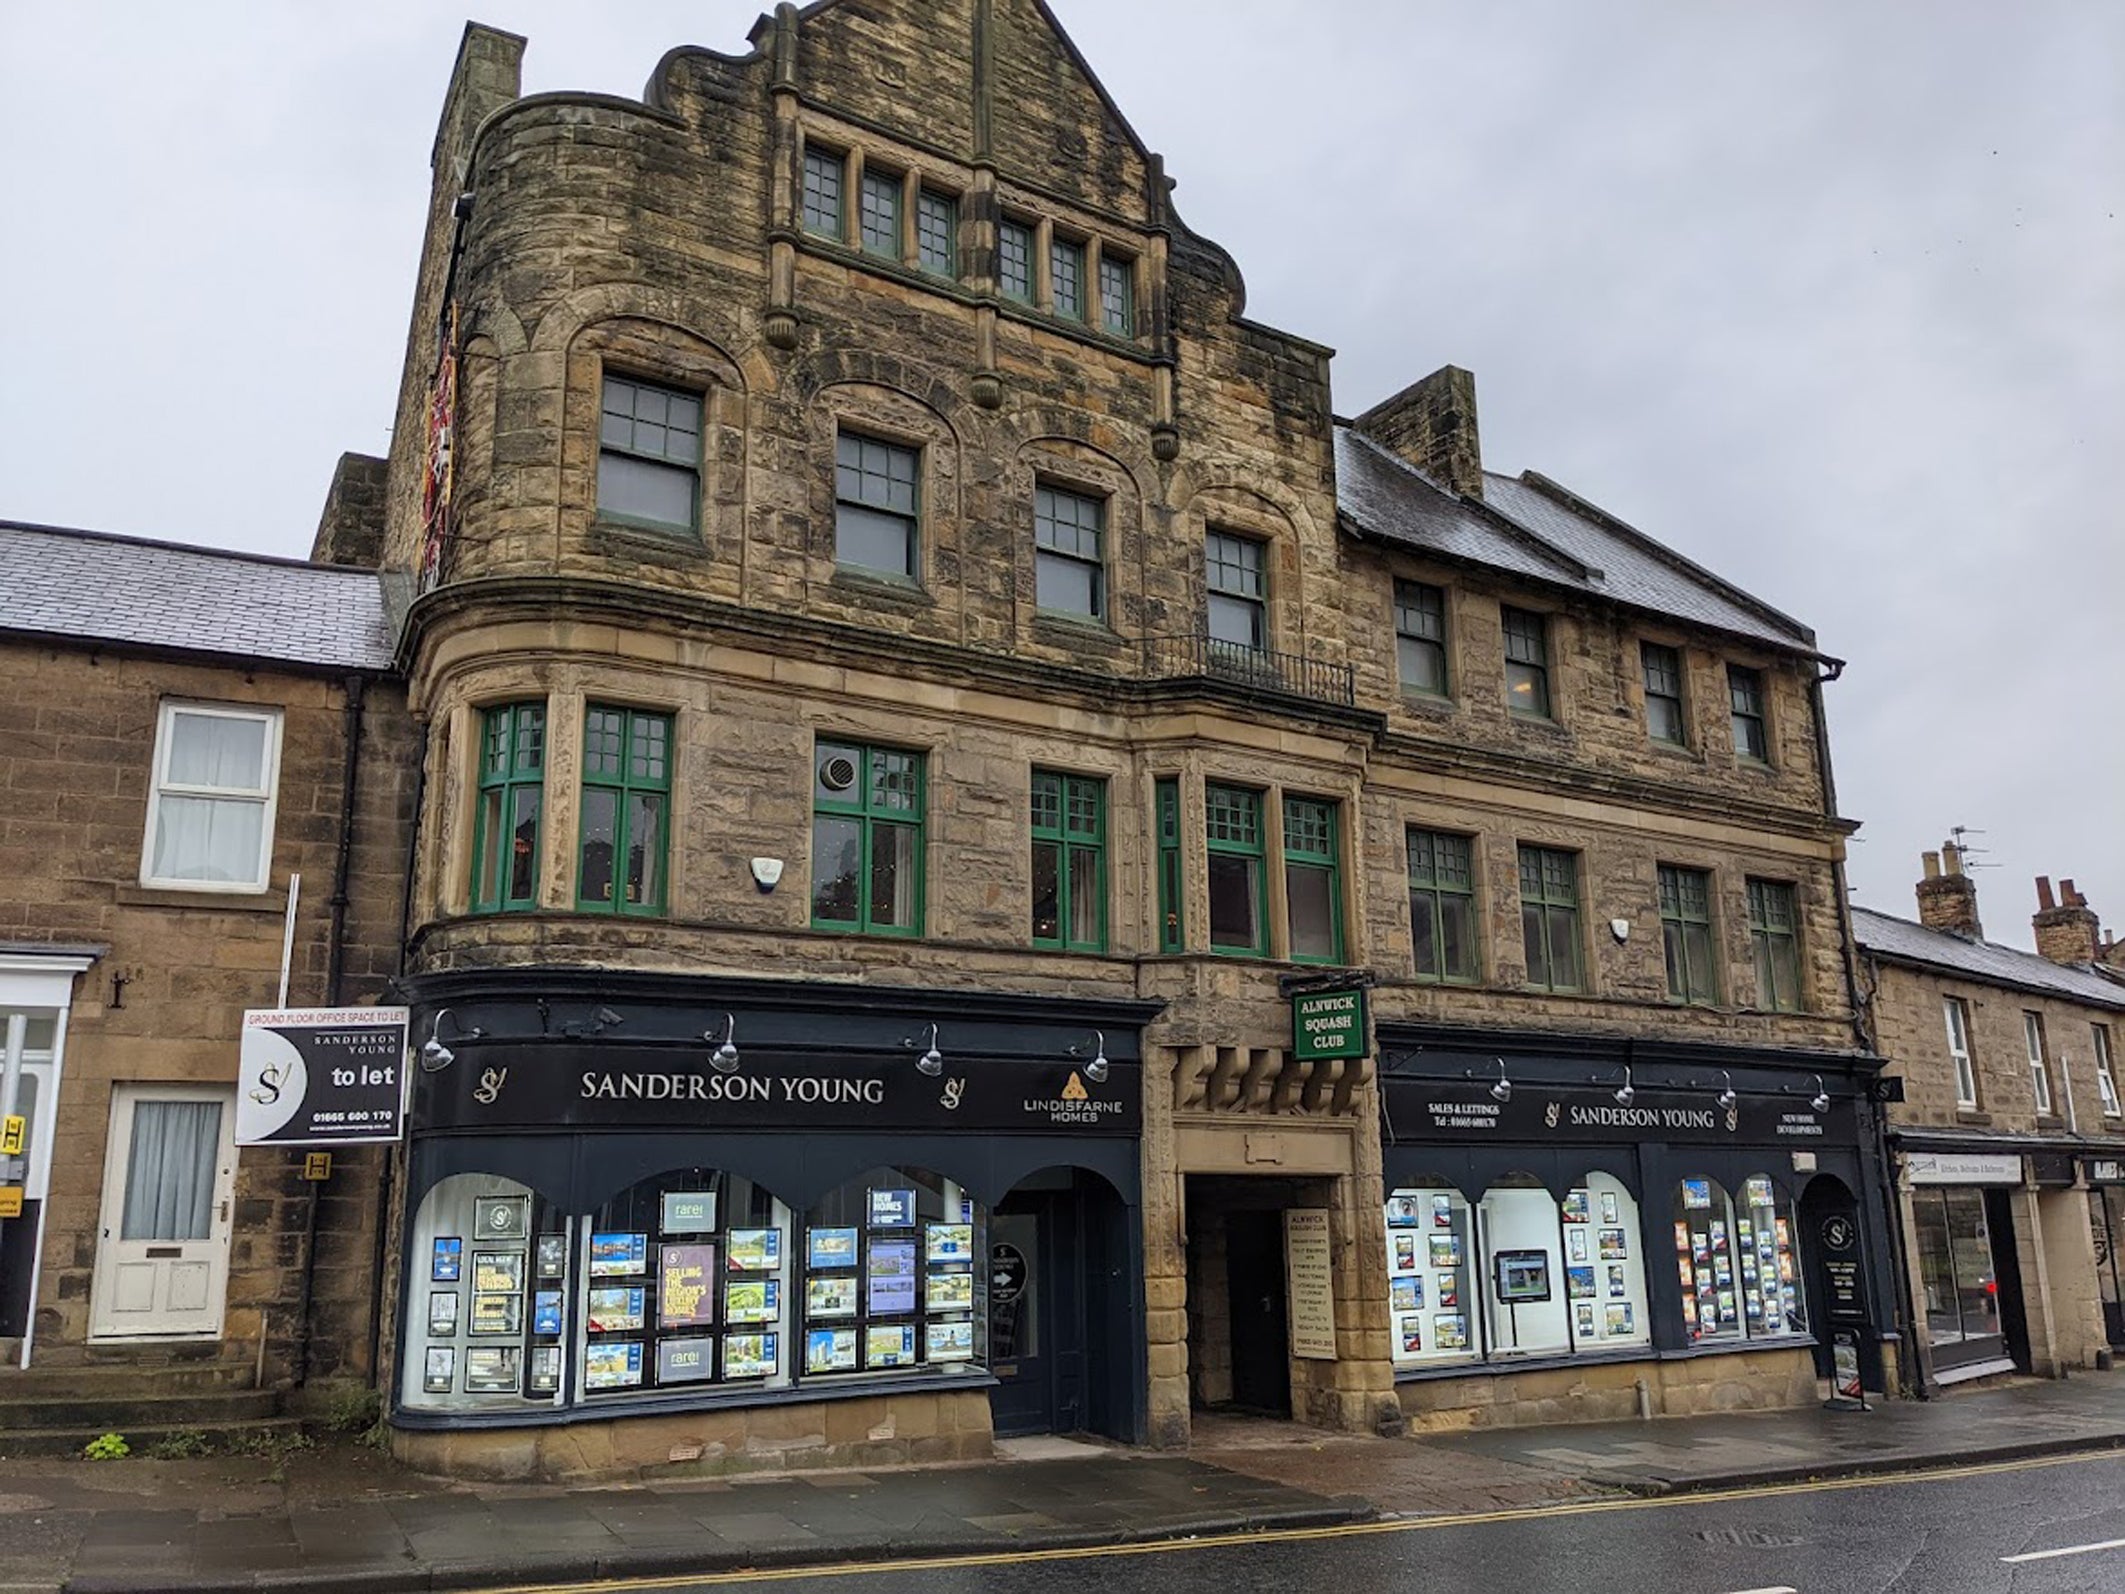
1947	898
1432	425
2066	931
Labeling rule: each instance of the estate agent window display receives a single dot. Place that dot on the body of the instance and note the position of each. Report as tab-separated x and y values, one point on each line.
1517	1274
1549	1209
694	1283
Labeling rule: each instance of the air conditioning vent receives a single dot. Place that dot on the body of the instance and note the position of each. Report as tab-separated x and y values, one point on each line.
838	773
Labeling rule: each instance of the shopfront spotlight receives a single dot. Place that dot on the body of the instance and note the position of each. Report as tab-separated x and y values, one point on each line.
931	1062
1096	1070
1727	1098
1626	1091
1502	1090
724	1059
1820	1101
435	1056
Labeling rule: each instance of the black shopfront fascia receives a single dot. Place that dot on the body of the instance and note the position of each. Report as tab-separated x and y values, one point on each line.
1440	1119
581	1083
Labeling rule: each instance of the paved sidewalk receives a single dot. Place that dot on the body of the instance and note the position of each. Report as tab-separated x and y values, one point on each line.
344	1518
88	1528
2027	1418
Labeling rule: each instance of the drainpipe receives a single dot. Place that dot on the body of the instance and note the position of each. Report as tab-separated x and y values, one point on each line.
392	1153
352	693
1860	1003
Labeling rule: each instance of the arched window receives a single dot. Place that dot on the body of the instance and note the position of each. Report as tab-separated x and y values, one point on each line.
1604	1265
1737	1261
1430	1274
1524	1309
482	1319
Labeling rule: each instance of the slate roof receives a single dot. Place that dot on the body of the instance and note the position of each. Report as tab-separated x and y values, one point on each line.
96	587
1528	526
1905	942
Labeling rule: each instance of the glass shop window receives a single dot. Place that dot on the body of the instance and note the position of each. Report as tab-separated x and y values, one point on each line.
685	1282
1737	1261
1517	1274
1522	1240
1604	1265
890	1282
1431	1275
483	1298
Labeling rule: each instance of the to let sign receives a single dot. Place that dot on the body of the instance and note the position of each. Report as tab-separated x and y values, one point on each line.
1328	1024
321	1076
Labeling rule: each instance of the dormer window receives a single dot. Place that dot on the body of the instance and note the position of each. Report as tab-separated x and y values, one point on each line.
1066	279
937	232
1117	295
1014	261
878	211
824	171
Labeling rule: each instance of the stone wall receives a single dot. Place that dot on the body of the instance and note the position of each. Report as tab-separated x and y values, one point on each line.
1765	1380
861	1431
1911	1031
165	1002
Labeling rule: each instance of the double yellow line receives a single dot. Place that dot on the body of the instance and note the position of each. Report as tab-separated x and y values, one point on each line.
1344	1530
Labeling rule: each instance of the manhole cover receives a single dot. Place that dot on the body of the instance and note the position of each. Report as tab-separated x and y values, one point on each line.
1750	1538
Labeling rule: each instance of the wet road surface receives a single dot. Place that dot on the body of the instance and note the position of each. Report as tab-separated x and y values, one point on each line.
2053	1527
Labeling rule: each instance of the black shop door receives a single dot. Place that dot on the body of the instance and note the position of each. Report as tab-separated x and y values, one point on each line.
1254	1284
1036	1315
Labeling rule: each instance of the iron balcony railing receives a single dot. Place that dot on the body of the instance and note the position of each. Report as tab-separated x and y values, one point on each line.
1197	655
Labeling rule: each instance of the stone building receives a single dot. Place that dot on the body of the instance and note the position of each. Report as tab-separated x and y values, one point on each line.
182	732
987	864
2010	1142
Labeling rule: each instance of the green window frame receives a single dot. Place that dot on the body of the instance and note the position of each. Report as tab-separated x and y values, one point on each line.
1442	907
649	455
867	839
1117	295
1239	877
623	831
1069	830
937	232
1172	879
1313	880
1420	638
1774	938
510	813
1066	278
1549	918
878	213
1752	739
1662	666
1014	261
1686	934
825	172
1527	663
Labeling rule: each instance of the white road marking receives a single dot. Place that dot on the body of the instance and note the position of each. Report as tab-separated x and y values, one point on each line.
1781	1589
2071	1549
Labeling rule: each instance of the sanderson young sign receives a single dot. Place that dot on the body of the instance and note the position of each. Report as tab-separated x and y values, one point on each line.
595	1087
1456	1110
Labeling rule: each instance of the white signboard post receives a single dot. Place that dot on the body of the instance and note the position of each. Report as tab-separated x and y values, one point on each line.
321	1076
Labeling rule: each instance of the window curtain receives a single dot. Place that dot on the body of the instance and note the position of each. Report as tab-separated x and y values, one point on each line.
169	1176
212	838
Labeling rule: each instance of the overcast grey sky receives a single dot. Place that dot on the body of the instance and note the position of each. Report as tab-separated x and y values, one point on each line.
1828	295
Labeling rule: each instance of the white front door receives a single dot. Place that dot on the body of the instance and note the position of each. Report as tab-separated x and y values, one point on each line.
162	1264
